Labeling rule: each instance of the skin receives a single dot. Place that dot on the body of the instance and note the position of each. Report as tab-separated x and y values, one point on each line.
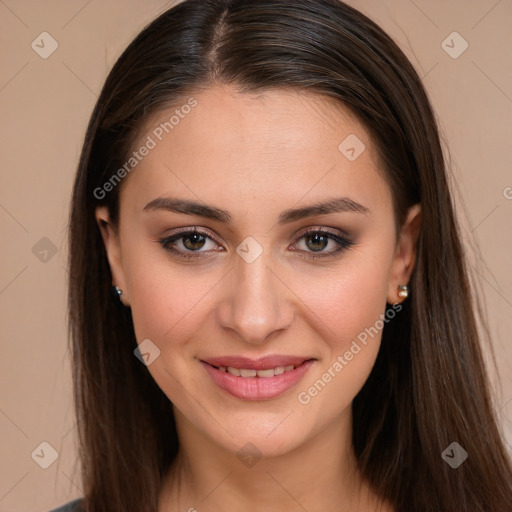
256	155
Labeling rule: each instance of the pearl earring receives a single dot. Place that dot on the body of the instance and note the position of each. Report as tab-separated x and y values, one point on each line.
403	291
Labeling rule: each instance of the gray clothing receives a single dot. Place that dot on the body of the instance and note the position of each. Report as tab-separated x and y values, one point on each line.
72	506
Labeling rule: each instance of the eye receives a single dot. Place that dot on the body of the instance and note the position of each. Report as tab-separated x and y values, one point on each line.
316	240
187	242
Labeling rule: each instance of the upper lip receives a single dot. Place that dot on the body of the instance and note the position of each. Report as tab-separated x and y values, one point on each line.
263	363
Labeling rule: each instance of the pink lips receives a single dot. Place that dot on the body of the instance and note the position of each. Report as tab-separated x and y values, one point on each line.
257	388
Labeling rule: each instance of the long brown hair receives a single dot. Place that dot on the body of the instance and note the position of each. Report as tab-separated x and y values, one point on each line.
428	387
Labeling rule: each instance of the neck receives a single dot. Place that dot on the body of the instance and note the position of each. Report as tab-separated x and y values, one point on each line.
320	474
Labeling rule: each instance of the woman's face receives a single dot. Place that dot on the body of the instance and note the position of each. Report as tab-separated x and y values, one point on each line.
258	290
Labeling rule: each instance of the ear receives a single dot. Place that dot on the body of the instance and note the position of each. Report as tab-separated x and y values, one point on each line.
405	255
111	241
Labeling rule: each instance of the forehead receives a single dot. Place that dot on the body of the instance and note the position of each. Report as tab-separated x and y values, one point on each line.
274	145
262	122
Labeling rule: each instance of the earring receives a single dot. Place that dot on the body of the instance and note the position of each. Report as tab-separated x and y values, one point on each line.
403	291
117	292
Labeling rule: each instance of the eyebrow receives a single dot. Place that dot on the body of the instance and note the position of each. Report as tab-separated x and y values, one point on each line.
185	206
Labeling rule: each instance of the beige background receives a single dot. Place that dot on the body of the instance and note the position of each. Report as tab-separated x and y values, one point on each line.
45	105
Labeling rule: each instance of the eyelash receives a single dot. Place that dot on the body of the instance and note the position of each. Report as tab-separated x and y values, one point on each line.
343	243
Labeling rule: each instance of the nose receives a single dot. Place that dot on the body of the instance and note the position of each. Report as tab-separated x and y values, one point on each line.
256	302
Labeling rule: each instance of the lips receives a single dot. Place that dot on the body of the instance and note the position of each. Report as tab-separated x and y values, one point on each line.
257	379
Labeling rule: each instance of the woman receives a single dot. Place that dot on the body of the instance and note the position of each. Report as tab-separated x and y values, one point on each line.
263	186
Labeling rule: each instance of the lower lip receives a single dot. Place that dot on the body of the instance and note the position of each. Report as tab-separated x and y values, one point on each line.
257	388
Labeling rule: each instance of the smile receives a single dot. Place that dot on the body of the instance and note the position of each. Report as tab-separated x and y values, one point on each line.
260	379
246	372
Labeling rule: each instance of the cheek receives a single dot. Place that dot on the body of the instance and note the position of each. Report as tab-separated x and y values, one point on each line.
165	301
354	342
168	307
349	300
350	308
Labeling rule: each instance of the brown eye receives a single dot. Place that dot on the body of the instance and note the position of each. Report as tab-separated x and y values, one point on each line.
196	240
188	244
316	241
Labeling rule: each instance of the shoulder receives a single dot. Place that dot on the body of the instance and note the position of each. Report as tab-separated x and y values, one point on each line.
72	506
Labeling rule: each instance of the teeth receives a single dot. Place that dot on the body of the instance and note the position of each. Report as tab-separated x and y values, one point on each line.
266	373
247	373
244	372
